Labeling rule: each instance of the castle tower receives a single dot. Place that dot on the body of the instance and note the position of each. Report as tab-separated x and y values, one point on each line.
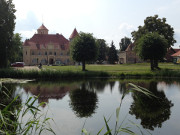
74	34
42	30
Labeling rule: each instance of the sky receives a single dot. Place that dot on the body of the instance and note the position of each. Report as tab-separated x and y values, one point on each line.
105	19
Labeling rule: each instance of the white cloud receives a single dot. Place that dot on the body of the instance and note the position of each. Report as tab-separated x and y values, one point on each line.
27	34
54	8
126	29
177	38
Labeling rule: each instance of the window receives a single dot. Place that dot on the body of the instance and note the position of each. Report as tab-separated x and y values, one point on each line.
45	53
62	47
61	54
39	53
54	53
26	52
50	53
32	52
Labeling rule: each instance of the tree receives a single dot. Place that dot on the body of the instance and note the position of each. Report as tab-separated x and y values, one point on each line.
102	50
15	50
112	54
84	48
153	24
124	43
7	24
152	46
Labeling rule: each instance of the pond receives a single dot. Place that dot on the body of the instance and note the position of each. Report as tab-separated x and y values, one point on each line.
77	104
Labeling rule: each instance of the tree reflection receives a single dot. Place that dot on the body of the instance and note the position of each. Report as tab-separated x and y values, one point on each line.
83	101
98	85
122	87
152	111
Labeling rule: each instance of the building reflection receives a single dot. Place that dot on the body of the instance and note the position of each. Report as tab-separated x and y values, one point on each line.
47	91
152	111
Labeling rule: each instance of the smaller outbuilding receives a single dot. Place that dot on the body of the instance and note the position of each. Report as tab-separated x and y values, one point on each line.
176	57
129	55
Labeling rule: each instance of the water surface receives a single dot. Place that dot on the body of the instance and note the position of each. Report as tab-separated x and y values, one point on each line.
73	103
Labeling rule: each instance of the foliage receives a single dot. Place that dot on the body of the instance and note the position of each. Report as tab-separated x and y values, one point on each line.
152	46
152	112
112	54
155	24
14	115
102	50
16	49
7	24
124	43
83	48
83	102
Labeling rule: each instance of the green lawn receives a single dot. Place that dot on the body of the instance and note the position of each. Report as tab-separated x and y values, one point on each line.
123	68
141	70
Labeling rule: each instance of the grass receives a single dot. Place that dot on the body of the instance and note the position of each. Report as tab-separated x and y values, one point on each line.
125	68
141	70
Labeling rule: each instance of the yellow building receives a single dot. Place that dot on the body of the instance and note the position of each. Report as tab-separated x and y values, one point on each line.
47	48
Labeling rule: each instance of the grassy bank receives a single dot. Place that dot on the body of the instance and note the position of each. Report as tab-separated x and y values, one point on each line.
95	71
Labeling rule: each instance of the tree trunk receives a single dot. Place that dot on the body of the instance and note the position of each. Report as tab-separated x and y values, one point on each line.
83	66
156	64
152	64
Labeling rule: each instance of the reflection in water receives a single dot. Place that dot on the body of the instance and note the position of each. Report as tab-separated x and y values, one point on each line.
83	101
122	88
152	111
46	91
97	85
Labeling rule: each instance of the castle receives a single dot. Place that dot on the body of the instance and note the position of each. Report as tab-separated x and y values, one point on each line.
47	49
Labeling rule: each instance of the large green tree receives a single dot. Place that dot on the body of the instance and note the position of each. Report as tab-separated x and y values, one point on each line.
152	46
124	43
84	48
102	50
153	24
15	50
112	54
7	25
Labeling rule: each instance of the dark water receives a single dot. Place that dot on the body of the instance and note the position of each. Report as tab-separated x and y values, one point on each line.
73	103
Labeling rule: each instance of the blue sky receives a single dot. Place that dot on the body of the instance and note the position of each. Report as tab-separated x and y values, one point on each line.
107	19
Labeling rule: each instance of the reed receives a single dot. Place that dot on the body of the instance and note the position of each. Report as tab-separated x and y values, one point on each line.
21	118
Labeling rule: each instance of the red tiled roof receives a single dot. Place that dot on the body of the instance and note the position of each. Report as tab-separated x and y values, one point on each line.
40	41
176	54
42	27
176	50
74	34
